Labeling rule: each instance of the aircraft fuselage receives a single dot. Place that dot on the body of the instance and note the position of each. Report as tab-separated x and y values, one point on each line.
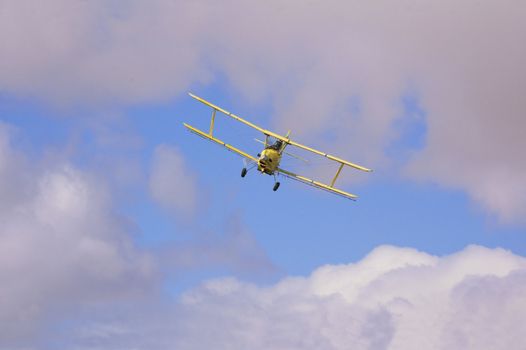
268	161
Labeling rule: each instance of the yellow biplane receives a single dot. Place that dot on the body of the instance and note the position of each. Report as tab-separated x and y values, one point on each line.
268	160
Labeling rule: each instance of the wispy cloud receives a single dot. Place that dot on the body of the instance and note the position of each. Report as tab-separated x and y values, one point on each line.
232	247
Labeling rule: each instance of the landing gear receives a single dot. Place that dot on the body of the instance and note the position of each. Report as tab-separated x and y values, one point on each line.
276	183
243	172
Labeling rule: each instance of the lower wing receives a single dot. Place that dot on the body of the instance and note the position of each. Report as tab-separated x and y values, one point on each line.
317	184
286	173
218	141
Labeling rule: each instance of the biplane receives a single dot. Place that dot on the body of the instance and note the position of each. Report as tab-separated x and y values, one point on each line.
268	160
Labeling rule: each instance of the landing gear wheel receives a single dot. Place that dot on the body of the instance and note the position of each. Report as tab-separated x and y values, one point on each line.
276	186
243	172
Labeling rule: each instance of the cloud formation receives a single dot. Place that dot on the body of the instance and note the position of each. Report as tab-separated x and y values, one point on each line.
61	246
334	73
394	298
97	52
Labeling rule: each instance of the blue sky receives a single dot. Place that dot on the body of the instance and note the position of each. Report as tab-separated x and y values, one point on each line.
116	212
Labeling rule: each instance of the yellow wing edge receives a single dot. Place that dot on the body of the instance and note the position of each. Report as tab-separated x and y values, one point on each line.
231	115
317	184
219	142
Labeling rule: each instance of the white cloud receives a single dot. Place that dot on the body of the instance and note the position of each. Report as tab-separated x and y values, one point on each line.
93	52
339	67
394	298
172	183
61	247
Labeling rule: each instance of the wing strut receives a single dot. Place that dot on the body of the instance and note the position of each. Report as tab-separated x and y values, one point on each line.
337	173
212	123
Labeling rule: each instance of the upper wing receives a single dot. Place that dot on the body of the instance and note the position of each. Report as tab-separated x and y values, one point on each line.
280	137
317	184
228	113
218	141
239	119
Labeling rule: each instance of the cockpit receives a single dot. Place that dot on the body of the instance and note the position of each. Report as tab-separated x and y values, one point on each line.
276	145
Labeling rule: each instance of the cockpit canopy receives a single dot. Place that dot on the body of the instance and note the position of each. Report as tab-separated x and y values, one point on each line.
276	145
